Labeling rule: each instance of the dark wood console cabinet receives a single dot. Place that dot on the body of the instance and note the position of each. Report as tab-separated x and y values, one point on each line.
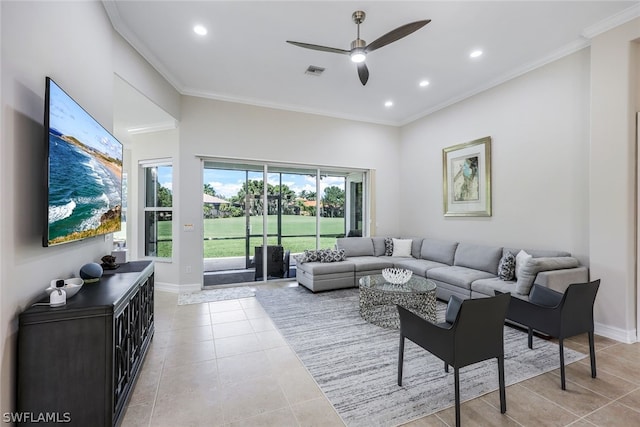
78	363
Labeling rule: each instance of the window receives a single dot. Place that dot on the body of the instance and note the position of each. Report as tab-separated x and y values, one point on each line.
158	210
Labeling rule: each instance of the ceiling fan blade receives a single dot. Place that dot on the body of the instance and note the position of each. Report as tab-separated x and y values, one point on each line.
363	73
320	48
396	34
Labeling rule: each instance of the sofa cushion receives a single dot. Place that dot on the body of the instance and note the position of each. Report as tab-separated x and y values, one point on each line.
478	257
415	246
402	247
418	266
535	265
438	250
378	245
367	263
507	267
461	277
488	286
322	268
536	253
355	246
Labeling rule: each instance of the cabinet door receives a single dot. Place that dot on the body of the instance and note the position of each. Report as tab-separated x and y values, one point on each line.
135	329
121	359
146	292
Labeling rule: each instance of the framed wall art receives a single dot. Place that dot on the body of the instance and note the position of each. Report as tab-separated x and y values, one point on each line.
466	171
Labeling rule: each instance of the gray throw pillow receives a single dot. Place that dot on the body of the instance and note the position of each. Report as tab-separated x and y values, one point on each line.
311	256
533	266
507	267
388	246
333	256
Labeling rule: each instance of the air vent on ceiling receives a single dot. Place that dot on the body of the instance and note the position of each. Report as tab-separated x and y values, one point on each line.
314	70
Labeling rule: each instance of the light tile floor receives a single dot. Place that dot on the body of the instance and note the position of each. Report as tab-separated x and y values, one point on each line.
224	364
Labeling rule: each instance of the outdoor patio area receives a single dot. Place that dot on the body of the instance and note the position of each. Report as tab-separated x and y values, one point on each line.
228	270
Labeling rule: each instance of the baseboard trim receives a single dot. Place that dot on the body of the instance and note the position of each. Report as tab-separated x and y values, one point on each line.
627	336
176	289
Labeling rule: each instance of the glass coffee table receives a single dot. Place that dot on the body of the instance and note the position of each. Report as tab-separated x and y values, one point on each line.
378	299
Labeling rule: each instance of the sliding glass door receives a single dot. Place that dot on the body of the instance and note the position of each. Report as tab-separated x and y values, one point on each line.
299	208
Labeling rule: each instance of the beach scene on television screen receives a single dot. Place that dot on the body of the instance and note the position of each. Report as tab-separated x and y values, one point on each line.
85	173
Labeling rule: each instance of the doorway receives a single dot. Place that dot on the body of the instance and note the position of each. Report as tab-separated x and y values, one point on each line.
242	215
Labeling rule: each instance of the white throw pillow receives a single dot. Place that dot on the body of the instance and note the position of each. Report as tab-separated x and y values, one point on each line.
402	247
521	260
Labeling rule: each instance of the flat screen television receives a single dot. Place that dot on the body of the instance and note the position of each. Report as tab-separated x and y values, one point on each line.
84	172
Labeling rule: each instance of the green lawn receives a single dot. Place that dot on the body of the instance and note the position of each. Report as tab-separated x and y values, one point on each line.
231	231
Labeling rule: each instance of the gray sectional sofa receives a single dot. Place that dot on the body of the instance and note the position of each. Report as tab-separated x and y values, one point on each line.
462	269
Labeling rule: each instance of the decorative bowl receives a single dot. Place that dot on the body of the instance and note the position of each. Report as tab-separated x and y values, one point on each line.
71	286
397	276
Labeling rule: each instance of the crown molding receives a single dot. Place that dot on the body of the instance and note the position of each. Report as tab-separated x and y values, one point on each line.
613	21
118	24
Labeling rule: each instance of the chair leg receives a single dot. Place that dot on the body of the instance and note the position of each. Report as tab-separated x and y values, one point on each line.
503	396
562	379
592	355
400	359
530	338
456	376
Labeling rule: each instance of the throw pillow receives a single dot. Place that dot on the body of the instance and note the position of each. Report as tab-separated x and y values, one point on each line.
521	260
388	246
402	247
507	267
311	256
333	256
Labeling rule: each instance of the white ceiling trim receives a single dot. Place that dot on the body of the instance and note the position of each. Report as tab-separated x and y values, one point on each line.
116	21
612	22
153	127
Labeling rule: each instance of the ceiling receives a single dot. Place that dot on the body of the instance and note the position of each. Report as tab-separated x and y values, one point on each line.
244	57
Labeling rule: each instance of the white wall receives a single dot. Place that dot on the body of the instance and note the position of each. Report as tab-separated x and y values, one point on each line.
539	127
71	42
74	43
612	180
222	129
135	70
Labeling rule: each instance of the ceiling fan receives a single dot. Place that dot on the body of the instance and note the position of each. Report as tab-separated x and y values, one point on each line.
360	48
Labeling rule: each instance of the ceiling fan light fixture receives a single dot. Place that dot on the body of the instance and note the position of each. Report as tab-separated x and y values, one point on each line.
358	55
200	30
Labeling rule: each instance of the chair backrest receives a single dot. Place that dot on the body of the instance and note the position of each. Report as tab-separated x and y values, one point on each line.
479	329
577	308
275	265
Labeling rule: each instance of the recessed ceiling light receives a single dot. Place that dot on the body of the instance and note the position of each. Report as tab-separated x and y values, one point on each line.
388	104
475	54
424	83
200	30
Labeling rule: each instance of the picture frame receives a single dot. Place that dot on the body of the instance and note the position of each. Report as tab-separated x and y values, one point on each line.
466	172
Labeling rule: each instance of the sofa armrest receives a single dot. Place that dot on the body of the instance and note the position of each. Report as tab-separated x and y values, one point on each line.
559	280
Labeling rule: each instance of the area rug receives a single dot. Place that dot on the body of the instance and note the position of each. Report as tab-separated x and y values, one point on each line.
211	295
355	363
